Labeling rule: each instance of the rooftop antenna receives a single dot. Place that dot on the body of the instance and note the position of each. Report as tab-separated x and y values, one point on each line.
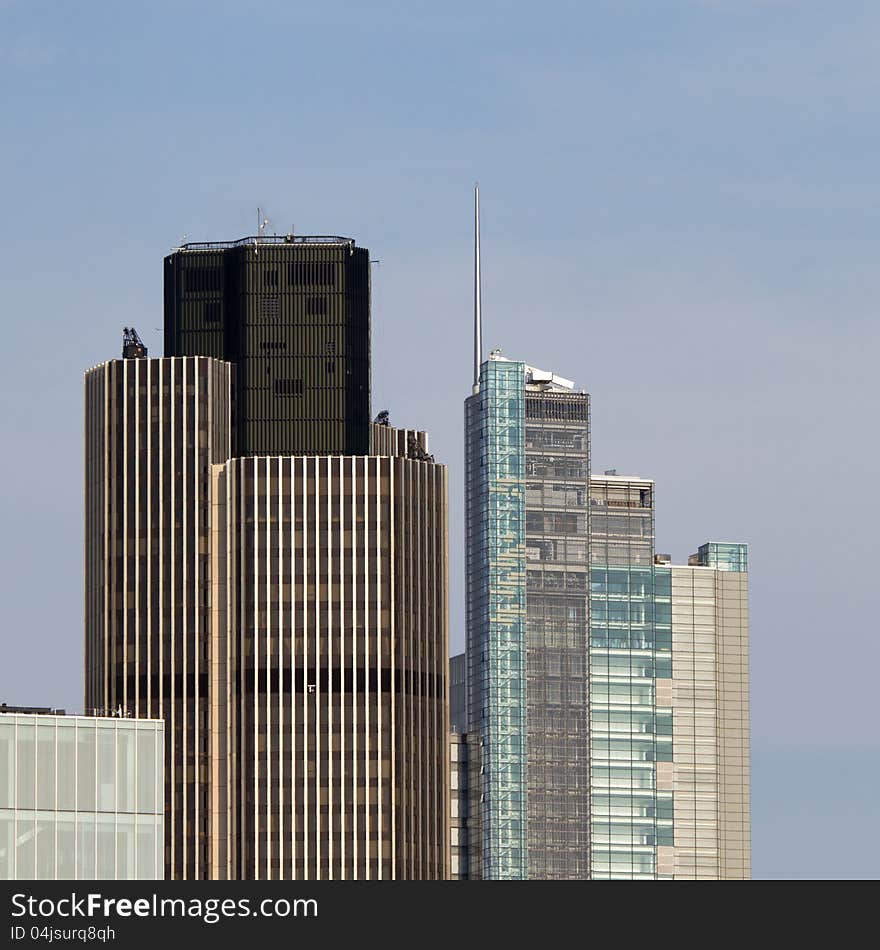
478	326
132	346
262	224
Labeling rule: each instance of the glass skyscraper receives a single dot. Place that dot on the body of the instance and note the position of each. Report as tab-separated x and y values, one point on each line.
527	494
496	613
608	722
606	691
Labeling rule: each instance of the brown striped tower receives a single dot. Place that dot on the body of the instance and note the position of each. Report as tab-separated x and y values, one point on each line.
284	610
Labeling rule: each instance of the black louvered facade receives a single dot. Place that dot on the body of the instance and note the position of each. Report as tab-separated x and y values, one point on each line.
293	316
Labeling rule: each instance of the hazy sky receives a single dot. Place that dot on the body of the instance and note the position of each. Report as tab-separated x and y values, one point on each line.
680	211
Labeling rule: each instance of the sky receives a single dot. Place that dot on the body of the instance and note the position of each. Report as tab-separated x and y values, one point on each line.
680	211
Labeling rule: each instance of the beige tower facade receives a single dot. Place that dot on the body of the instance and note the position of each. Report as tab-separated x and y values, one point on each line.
710	711
153	428
285	616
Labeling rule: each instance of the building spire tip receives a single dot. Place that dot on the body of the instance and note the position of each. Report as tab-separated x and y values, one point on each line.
478	324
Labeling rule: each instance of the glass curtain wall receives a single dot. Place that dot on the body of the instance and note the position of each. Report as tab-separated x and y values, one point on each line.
80	798
495	506
630	647
557	571
724	556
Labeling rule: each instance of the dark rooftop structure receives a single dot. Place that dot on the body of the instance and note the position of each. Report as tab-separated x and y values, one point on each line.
32	710
292	314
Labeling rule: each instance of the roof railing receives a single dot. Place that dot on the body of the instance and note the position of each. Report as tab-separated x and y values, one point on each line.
267	239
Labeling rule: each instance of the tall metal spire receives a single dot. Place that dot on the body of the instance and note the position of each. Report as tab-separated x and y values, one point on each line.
478	326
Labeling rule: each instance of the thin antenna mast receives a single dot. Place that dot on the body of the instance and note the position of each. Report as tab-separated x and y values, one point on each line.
261	226
478	325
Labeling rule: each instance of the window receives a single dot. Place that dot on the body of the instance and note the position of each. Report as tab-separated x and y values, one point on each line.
146	847
146	771
316	306
26	766
7	767
46	765
563	408
270	308
288	387
106	769
270	278
85	778
313	273
201	280
66	777
213	312
7	845
125	770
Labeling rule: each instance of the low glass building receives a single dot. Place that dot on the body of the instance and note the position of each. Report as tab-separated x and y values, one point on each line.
81	797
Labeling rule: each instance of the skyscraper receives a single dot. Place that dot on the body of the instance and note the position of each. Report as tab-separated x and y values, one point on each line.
607	691
495	615
267	571
669	707
667	703
330	644
153	429
630	648
527	586
458	693
527	497
292	314
710	716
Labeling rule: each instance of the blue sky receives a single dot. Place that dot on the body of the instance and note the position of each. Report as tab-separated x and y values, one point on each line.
680	211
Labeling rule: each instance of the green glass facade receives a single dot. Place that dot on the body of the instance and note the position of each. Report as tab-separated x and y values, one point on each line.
496	614
724	556
663	725
630	648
